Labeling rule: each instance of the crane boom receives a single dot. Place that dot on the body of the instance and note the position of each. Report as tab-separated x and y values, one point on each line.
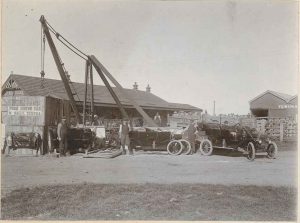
99	67
60	67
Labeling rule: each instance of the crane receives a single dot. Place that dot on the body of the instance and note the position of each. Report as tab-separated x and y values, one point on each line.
91	61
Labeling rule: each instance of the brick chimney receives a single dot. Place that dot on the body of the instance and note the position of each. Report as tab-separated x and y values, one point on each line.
148	89
135	86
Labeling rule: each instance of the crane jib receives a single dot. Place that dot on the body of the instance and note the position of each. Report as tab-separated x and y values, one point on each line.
102	71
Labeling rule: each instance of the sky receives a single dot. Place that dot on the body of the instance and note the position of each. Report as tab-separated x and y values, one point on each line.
192	52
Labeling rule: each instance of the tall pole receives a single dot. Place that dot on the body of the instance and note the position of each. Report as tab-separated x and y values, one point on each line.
214	112
92	92
85	90
60	67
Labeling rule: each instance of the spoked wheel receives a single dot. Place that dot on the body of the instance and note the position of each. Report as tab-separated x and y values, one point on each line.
206	147
272	150
186	147
250	151
174	147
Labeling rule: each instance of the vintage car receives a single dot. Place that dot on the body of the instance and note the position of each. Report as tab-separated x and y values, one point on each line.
159	139
87	138
236	138
25	140
79	139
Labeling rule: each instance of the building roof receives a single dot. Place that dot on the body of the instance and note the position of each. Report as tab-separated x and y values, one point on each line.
285	97
31	86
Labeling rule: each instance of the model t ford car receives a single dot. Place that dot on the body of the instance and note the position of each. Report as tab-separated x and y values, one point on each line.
236	138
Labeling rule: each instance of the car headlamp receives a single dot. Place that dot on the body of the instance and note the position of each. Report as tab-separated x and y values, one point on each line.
259	141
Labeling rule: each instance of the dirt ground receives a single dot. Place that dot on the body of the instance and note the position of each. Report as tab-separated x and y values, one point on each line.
20	172
151	202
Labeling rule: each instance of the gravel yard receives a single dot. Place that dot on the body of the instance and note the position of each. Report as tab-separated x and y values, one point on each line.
150	186
20	172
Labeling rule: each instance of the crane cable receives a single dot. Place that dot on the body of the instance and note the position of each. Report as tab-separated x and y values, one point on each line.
70	46
65	42
43	48
57	35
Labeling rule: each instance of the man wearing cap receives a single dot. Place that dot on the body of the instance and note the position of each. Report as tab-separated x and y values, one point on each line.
124	135
62	136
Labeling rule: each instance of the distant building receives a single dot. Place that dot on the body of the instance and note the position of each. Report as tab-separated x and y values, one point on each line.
273	104
276	115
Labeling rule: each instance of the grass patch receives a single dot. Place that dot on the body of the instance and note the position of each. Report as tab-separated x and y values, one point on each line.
151	202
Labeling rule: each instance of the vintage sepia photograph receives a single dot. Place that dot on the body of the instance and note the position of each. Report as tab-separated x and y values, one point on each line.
149	110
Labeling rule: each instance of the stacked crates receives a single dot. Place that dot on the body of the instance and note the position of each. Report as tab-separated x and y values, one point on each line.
288	129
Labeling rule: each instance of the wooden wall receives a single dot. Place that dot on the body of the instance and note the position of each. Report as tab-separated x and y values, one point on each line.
23	110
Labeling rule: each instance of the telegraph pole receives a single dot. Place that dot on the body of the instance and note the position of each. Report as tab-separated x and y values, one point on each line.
214	112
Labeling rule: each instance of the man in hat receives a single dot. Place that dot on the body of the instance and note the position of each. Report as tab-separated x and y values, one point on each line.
62	136
124	136
191	135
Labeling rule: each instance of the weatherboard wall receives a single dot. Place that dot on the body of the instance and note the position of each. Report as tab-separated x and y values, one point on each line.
23	110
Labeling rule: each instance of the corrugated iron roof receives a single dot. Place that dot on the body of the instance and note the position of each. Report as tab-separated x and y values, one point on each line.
55	88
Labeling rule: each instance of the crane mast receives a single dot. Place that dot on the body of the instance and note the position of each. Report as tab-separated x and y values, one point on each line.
60	68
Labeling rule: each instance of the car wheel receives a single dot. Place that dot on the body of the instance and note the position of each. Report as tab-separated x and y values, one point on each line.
174	147
186	147
206	147
250	151
272	150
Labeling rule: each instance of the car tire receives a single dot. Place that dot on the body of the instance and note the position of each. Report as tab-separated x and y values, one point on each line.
272	150
176	151
206	147
250	151
186	147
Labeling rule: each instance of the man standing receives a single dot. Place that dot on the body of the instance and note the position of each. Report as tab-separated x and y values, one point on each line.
95	121
37	142
62	136
191	135
124	135
157	119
